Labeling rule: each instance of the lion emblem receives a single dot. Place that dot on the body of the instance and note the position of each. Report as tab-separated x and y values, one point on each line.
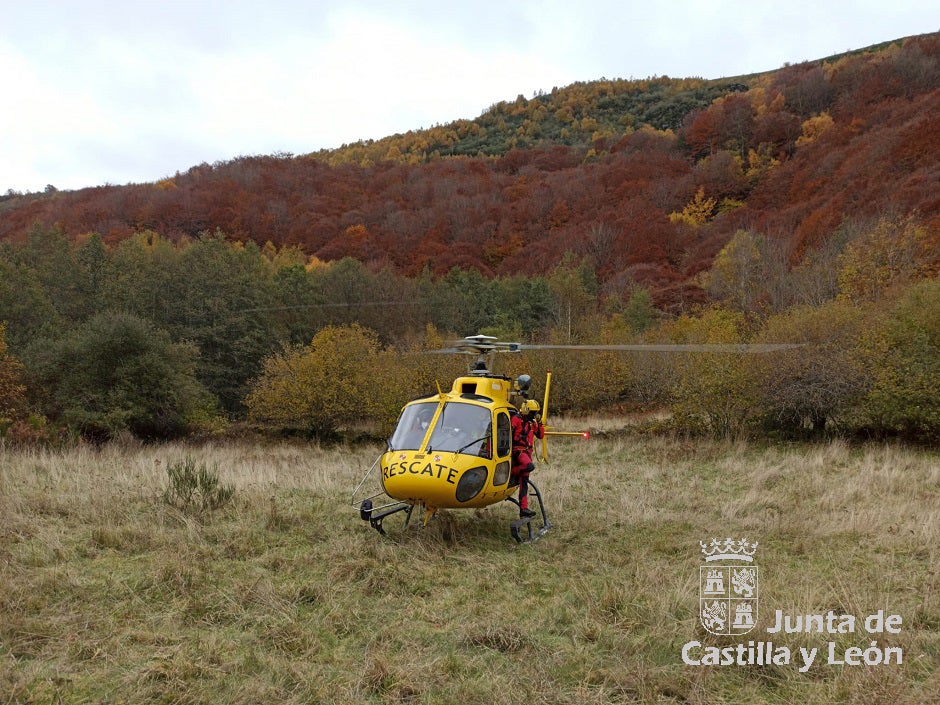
743	581
714	616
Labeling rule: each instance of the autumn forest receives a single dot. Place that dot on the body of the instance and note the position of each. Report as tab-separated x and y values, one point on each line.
798	205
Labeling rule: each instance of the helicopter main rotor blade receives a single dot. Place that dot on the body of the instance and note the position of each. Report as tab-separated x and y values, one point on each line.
484	344
481	345
676	347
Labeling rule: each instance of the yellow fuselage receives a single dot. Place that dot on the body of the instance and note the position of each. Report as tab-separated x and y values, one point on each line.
461	455
432	479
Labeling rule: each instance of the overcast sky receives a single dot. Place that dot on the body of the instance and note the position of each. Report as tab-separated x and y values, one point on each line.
97	92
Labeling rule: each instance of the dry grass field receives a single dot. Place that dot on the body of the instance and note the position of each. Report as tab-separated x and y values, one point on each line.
110	595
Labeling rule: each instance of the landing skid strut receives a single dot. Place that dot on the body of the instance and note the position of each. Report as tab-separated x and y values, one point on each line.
532	533
376	519
524	530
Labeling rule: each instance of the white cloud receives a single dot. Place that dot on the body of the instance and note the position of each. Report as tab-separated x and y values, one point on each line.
99	92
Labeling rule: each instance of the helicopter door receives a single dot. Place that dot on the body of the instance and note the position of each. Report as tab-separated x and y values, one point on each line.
503	448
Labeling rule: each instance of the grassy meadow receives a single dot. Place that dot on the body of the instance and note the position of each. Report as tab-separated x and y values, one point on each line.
110	595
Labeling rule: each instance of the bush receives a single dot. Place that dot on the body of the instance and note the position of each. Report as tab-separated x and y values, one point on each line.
711	391
905	353
814	389
195	489
339	381
115	373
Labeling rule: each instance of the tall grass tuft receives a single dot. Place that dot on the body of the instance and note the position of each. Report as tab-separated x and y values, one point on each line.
194	488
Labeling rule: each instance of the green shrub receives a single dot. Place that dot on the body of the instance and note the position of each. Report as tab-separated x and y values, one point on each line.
905	352
195	488
118	372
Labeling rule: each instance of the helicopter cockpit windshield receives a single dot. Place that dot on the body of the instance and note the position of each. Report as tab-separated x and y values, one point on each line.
412	426
460	428
463	428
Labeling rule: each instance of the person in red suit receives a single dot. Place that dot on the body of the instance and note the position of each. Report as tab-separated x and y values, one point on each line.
526	427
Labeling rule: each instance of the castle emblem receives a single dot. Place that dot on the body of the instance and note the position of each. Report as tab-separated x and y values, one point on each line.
728	587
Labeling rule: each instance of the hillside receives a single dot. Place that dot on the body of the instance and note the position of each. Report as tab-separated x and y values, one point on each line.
648	179
796	206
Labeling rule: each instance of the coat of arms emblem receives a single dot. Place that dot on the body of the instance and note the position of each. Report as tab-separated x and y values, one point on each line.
728	587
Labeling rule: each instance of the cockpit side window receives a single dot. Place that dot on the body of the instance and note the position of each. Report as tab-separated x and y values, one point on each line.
503	435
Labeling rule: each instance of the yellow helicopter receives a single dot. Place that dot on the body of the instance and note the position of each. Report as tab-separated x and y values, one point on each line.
454	449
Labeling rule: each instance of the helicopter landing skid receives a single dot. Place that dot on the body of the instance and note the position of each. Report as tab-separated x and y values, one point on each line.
532	533
375	519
